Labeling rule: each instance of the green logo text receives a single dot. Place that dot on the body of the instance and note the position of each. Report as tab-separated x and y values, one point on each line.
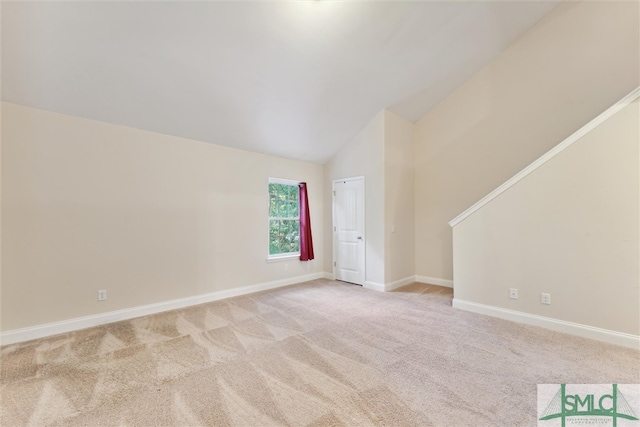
612	405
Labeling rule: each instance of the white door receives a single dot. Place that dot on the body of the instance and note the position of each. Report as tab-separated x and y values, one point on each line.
348	230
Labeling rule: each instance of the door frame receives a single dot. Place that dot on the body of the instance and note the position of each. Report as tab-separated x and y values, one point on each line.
333	222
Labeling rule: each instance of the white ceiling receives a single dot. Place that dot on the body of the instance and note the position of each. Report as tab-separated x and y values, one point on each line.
295	79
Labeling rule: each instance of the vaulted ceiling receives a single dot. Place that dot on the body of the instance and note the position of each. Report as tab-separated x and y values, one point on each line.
295	79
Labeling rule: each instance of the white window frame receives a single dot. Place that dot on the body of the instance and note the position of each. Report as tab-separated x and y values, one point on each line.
290	255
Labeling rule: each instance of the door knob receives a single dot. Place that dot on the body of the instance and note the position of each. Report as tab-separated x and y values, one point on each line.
359	237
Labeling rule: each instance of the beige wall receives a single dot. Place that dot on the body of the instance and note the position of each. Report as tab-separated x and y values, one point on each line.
362	156
1	104
149	217
382	152
571	66
399	193
569	229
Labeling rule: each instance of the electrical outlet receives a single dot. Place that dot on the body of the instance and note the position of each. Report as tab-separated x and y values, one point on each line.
513	293
545	298
286	266
102	295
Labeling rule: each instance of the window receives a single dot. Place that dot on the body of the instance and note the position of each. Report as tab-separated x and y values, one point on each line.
284	218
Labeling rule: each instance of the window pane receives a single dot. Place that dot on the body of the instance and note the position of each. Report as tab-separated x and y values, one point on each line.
284	236
283	210
293	209
291	193
274	237
272	202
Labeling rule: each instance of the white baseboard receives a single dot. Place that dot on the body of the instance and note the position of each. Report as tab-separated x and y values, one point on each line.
380	287
328	276
374	286
55	328
585	331
435	281
399	283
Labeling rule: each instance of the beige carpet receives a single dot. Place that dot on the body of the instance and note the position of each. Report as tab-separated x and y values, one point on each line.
321	353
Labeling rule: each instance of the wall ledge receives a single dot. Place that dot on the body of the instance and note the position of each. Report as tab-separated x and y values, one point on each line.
585	331
70	325
548	155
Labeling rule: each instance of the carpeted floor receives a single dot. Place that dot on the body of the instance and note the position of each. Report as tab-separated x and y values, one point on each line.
320	353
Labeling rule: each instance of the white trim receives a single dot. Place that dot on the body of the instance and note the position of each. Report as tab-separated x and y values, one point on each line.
283	181
399	283
585	331
435	281
352	178
70	325
548	155
374	286
280	258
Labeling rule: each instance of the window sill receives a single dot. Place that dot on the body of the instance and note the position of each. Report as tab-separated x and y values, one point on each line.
291	257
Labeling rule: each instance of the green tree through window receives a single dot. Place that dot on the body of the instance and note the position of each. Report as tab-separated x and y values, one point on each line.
284	219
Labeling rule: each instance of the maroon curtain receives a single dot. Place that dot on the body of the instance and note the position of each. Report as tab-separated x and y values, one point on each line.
306	242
